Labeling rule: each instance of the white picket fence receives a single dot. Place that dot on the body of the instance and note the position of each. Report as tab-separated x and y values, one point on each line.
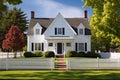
10	54
92	63
49	63
27	63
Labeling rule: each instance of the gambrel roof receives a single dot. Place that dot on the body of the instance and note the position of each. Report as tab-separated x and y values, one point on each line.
45	22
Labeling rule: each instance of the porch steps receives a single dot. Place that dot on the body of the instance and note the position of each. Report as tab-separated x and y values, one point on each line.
61	63
59	56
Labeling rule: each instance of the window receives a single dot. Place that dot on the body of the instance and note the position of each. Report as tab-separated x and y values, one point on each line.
59	31
80	31
37	46
37	31
68	44
81	46
50	44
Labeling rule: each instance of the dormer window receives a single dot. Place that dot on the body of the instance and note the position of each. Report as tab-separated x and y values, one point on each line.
80	31
37	31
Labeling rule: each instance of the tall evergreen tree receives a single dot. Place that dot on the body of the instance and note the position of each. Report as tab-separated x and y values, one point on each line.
105	22
12	17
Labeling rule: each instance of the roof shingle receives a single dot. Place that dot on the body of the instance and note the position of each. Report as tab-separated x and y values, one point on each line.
45	22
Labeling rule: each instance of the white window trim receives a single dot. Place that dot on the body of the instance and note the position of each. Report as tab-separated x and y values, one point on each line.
79	31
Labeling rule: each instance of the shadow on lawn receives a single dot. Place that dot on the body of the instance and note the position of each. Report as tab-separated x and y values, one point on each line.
63	75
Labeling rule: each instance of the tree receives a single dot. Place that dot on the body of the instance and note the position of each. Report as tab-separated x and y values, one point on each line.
12	17
4	4
14	40
105	22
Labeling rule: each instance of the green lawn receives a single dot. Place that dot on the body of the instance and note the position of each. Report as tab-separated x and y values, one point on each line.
61	75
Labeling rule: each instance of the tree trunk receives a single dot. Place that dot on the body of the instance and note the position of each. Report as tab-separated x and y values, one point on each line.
15	54
107	48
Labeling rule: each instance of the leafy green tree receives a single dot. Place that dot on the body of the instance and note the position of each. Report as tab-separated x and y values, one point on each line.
12	17
4	4
105	22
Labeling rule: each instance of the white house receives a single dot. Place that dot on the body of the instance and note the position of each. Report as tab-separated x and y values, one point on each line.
59	34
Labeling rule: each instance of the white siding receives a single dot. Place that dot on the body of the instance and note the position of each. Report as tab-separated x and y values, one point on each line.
59	22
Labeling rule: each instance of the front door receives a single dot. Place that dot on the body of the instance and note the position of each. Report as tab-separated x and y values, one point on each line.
59	48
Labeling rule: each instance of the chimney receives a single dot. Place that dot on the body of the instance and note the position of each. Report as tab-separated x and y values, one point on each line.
32	14
85	14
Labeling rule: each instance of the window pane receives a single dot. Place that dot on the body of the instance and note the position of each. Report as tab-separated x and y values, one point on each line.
37	31
35	46
68	44
50	44
80	31
38	46
59	31
81	46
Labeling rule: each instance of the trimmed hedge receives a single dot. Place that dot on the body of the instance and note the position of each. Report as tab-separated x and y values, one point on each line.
92	54
81	54
49	54
38	54
89	54
29	54
71	54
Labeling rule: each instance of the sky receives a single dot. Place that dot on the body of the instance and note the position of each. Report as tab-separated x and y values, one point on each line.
50	8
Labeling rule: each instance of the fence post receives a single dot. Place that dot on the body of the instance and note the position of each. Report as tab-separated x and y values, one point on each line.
118	63
67	63
52	63
98	62
6	64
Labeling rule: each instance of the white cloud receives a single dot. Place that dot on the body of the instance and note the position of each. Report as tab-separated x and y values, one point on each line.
50	8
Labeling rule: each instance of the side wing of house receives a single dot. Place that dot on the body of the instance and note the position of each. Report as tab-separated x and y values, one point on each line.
35	39
83	39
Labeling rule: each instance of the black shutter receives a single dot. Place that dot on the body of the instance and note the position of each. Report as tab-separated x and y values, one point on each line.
87	31
85	46
32	47
63	31
42	46
55	31
76	47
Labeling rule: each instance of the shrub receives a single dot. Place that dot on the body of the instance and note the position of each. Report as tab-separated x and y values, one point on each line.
92	54
81	54
49	54
71	54
25	48
29	54
38	54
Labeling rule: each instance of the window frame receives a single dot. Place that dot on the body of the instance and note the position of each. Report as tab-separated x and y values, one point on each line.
60	31
50	44
37	31
80	31
68	44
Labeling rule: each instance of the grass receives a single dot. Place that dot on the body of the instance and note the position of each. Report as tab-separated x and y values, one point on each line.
61	75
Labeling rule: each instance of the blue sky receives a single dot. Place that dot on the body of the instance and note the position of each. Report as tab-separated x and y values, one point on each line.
50	8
